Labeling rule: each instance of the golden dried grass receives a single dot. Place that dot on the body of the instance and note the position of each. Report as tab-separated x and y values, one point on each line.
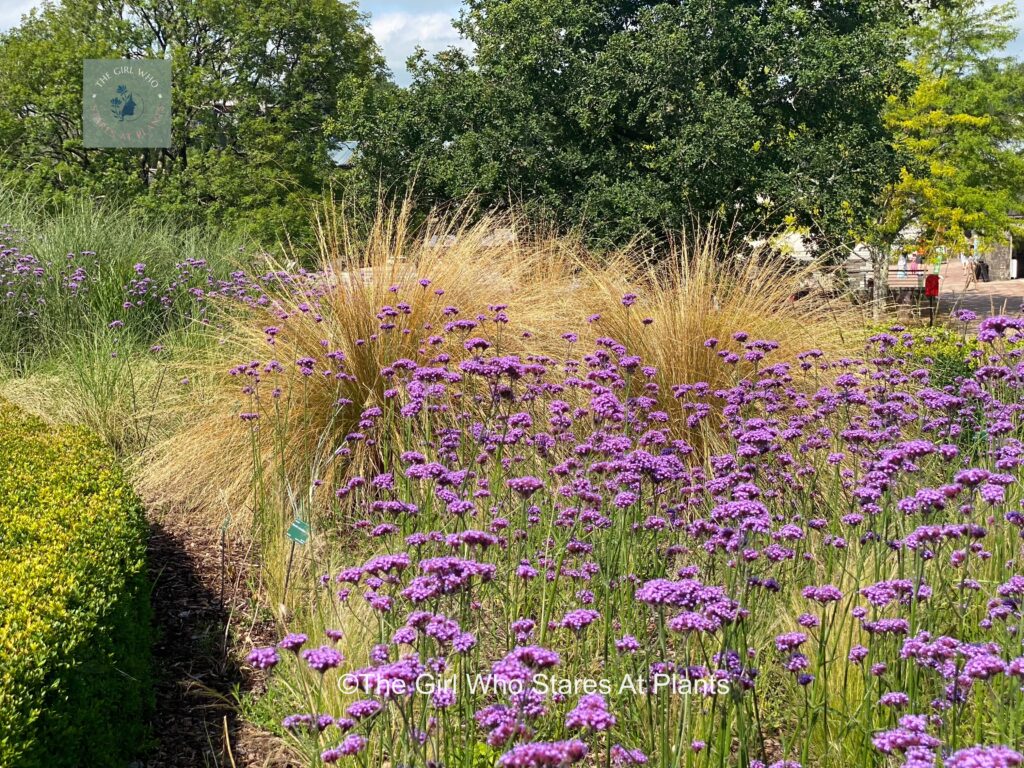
551	286
213	457
700	291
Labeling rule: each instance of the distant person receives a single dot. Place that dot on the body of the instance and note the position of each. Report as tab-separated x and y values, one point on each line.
915	269
901	265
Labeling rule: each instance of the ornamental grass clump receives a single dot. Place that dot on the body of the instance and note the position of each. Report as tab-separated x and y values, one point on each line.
310	353
702	293
538	570
89	264
314	350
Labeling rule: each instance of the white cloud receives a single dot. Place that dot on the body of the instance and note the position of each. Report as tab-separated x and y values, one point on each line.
399	32
11	12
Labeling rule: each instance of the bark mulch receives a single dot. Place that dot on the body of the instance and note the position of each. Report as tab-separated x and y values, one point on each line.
205	622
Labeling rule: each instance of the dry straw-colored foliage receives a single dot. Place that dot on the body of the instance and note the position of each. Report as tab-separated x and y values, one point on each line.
551	285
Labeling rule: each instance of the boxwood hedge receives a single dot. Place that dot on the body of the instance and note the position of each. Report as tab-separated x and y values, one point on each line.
74	602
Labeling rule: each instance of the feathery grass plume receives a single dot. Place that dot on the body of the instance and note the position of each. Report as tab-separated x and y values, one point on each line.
313	356
343	318
710	288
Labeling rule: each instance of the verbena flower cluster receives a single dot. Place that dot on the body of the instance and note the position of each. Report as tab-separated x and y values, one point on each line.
42	298
541	566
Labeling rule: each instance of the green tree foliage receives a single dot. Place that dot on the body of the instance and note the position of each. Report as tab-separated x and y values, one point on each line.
960	133
262	90
641	116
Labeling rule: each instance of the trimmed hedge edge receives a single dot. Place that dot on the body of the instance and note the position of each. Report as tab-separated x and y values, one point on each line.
75	686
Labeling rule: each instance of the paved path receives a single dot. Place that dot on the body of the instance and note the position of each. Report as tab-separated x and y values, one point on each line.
1002	297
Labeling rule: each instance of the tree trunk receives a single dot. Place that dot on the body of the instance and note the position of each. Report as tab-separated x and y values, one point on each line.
880	277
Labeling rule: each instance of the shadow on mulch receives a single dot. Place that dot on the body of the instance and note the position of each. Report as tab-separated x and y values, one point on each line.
204	624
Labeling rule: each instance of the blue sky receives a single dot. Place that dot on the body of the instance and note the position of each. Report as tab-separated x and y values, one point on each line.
401	25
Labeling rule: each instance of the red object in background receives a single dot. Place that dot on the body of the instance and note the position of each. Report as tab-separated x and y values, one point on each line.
931	285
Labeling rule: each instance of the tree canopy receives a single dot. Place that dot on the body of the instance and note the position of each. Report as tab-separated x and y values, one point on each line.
626	118
639	117
260	96
959	133
961	128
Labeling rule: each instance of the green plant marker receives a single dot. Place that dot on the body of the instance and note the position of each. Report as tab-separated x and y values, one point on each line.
299	532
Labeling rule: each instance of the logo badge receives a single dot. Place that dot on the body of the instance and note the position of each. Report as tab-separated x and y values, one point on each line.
126	103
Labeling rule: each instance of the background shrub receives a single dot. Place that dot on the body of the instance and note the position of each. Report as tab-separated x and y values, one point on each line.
948	354
74	604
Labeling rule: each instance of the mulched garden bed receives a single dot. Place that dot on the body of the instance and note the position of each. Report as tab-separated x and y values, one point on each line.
205	619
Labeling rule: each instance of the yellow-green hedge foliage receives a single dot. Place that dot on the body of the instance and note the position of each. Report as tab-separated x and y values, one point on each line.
945	352
74	602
